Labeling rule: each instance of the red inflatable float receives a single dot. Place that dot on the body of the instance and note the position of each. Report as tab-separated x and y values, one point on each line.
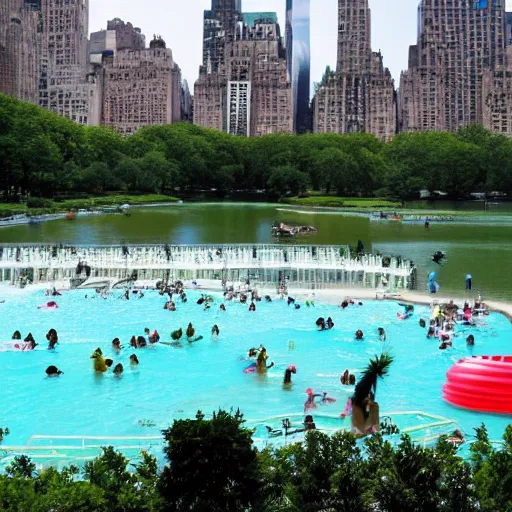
481	384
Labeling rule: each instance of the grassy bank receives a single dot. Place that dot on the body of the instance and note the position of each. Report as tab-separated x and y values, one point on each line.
341	202
47	206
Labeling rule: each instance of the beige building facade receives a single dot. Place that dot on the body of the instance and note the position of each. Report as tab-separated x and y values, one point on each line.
139	88
250	93
457	73
360	95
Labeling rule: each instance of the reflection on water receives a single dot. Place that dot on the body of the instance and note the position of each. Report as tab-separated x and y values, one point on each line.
480	246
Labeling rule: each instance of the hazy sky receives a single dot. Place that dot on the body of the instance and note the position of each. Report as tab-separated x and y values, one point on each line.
180	23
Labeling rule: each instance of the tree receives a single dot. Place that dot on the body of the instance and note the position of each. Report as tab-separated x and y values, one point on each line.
212	465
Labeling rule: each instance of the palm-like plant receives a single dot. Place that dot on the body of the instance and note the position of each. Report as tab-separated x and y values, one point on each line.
377	367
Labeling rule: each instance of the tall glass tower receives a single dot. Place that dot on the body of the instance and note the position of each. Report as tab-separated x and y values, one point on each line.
299	60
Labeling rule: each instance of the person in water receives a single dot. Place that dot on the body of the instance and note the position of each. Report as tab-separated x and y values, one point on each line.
222	307
53	371
141	342
344	304
16	335
52	338
118	369
152	338
309	422
288	374
261	361
116	344
134	360
470	340
345	377
330	323
252	307
190	331
320	323
422	323
359	334
382	334
352	380
253	352
133	342
456	438
215	330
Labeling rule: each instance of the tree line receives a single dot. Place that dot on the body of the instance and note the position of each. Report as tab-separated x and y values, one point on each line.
44	155
212	466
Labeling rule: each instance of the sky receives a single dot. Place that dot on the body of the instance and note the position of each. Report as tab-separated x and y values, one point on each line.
180	23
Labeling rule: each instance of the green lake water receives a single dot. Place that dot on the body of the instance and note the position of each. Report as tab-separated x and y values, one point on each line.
477	245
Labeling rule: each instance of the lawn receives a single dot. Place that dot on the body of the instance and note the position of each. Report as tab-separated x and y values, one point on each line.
342	202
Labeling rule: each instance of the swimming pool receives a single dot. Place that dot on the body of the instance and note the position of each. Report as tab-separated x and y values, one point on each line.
173	382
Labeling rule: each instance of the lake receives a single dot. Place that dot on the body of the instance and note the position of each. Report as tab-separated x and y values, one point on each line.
477	245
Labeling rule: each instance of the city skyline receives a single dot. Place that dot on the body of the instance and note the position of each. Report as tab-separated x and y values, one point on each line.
185	38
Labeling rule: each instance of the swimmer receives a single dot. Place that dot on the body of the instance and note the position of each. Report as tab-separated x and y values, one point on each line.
141	342
261	361
344	304
16	335
327	399
190	331
470	340
382	334
352	380
309	422
53	371
330	323
30	339
253	352
320	323
288	374
359	334
109	362
297	306
431	332
268	298
134	360
116	344
152	338
445	344
118	369
422	323
290	300
176	335
456	438
215	330
344	378
252	307
222	307
207	306
310	400
133	342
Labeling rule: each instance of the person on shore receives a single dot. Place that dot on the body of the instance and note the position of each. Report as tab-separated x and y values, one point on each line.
53	371
359	335
382	334
288	374
134	360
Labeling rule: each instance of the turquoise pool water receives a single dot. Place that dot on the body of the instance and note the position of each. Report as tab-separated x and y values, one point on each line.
172	383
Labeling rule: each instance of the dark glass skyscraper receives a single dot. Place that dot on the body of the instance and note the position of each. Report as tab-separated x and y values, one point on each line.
299	60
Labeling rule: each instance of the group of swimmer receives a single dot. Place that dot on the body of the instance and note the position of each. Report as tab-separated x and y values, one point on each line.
102	364
29	343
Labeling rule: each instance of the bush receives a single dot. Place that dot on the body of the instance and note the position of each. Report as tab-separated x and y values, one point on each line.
39	202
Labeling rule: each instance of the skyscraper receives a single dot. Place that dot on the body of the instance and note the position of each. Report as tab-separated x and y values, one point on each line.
19	49
243	87
299	59
360	95
461	45
66	86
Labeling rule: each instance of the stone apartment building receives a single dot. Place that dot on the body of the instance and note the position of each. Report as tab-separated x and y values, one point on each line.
19	49
243	87
360	95
459	71
141	88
